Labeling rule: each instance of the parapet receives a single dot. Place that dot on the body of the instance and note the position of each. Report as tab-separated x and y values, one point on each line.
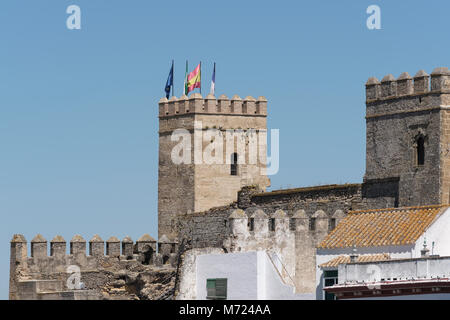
212	105
405	85
145	246
257	222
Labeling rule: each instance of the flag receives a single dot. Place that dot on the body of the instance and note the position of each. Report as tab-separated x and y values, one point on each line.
169	83
185	87
194	79
213	81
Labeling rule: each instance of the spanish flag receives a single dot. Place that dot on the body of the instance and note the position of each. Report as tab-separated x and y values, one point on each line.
194	79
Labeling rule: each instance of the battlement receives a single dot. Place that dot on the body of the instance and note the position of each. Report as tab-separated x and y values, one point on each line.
145	250
405	85
210	105
257	223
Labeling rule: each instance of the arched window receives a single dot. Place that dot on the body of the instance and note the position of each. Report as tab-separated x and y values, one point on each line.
420	159
233	167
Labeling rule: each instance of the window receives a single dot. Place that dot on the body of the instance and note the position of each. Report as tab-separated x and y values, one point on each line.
252	224
330	278
234	161
272	224
420	151
216	289
332	224
312	224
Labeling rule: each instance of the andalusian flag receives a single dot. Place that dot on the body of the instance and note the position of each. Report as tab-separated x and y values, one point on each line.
194	79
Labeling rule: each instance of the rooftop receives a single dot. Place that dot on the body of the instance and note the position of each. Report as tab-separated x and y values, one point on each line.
361	258
382	227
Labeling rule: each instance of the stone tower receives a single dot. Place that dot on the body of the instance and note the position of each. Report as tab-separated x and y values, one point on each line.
198	183
408	140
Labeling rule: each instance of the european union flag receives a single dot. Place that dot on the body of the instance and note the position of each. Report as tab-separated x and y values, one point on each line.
169	82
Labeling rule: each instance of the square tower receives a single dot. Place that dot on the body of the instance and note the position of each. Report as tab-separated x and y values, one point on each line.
408	140
194	173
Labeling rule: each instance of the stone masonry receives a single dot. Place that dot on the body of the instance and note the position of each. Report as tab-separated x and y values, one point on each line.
198	186
207	209
142	270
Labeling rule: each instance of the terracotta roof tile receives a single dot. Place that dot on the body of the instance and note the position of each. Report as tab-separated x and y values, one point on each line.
361	258
382	227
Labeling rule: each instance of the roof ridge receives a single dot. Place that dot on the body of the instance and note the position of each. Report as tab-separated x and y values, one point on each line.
432	206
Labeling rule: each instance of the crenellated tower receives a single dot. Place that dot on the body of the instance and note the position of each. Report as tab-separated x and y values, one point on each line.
195	173
408	140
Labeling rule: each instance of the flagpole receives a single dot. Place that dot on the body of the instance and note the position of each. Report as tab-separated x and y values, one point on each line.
173	82
185	78
200	77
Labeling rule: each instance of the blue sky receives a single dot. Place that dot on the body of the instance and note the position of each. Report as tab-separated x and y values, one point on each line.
78	108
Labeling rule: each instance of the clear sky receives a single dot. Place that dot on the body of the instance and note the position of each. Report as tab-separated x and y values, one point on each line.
78	108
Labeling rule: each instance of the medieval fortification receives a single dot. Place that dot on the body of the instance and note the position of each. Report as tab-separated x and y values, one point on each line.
225	207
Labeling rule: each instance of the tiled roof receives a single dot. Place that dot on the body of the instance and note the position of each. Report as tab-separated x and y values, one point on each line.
382	227
361	258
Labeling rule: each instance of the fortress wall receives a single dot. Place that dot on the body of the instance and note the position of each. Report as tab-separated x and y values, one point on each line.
328	198
311	214
205	229
97	269
399	112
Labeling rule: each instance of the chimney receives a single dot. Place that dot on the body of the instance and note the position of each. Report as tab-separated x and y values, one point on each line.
354	255
424	252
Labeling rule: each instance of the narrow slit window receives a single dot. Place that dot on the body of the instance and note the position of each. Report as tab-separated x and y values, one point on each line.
312	224
332	224
234	161
420	151
272	224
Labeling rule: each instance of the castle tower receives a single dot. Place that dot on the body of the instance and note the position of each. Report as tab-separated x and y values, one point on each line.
194	173
408	140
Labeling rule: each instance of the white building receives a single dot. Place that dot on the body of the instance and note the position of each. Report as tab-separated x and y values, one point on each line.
425	278
252	275
368	237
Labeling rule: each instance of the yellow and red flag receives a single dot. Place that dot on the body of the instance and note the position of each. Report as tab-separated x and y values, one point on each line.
194	79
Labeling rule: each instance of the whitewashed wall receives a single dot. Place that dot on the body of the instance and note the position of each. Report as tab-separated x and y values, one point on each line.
251	276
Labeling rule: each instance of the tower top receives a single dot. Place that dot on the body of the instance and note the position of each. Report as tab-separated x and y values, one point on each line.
405	85
210	105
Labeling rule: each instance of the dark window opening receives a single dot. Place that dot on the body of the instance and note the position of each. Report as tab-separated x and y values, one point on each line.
420	151
147	255
330	278
312	224
332	224
292	224
233	167
216	289
165	259
251	224
172	248
272	224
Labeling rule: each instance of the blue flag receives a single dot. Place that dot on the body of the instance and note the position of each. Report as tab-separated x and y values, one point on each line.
169	82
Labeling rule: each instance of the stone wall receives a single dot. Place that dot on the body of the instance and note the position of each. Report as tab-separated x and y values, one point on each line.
128	270
296	231
205	229
399	112
200	185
